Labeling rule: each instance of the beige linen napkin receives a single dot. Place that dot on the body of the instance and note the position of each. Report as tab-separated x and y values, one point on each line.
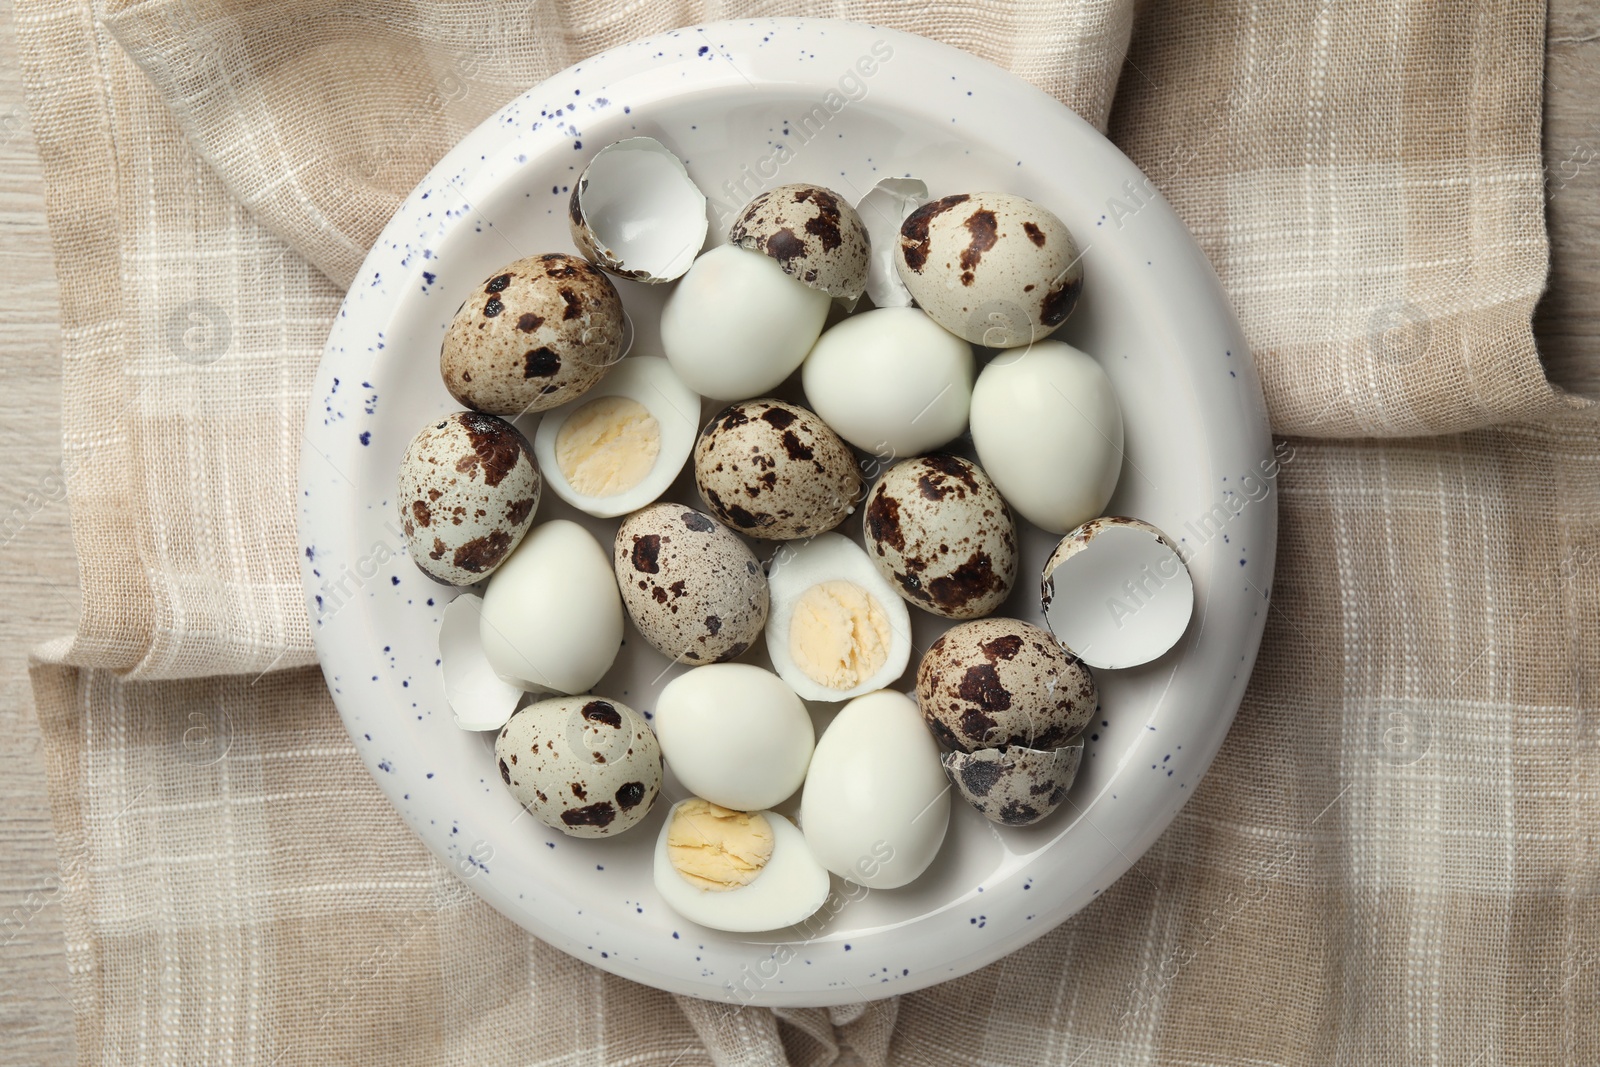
1394	857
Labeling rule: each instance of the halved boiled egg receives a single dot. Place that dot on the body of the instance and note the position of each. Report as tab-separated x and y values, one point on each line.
836	629
619	446
740	871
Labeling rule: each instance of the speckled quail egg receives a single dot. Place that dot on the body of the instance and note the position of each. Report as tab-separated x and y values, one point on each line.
994	268
1048	429
694	590
938	530
1014	786
998	681
585	765
813	234
836	629
467	491
890	381
536	334
618	447
775	470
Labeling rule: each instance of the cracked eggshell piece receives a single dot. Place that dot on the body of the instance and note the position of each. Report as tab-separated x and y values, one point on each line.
620	445
1014	786
876	802
552	615
836	628
636	212
478	697
882	210
735	734
1116	592
813	235
788	889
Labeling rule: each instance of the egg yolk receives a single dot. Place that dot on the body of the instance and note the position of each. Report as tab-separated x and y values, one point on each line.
839	635
608	446
717	848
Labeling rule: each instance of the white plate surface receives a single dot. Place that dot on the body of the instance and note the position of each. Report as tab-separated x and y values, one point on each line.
750	105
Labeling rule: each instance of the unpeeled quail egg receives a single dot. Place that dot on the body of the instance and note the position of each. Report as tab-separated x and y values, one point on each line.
536	334
621	444
774	470
994	682
1048	430
741	871
836	629
694	590
813	235
467	491
891	381
994	268
585	765
736	325
937	528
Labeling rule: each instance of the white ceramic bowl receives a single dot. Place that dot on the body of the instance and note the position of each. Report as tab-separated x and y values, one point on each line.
749	105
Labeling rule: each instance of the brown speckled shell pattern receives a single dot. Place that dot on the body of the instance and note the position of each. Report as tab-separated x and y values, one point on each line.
585	765
1014	786
993	268
937	529
467	492
775	471
998	681
534	335
814	235
692	587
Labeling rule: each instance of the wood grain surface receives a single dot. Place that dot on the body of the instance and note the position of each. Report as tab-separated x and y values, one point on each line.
38	582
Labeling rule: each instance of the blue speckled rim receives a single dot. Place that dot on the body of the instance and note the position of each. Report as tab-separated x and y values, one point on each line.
1153	314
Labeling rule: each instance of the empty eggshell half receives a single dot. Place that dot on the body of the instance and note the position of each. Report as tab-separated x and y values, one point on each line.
882	210
479	698
1014	786
1116	593
813	235
636	212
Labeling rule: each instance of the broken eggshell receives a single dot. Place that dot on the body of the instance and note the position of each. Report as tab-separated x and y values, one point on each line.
882	210
813	235
1014	786
1116	593
636	212
479	698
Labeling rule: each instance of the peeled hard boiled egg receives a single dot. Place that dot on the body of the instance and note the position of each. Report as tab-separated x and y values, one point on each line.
467	491
735	735
739	871
552	617
1048	430
622	443
736	325
836	628
1116	592
876	802
996	269
587	766
890	381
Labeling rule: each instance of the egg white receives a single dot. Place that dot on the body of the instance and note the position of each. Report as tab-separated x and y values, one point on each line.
789	889
650	382
796	568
